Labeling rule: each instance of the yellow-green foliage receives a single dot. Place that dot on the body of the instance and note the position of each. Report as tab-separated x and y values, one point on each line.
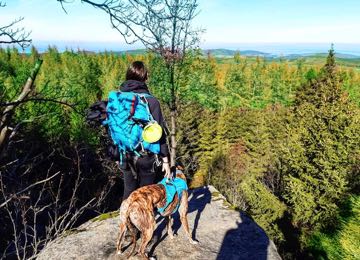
257	84
301	161
326	138
244	173
264	206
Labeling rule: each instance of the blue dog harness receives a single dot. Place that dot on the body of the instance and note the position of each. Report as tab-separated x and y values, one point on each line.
173	187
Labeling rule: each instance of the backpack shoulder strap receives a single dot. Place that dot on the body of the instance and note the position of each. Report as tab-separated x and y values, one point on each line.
147	95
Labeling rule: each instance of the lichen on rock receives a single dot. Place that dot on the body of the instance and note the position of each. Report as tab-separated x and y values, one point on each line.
105	216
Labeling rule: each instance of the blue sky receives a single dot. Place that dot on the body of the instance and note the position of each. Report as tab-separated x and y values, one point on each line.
227	22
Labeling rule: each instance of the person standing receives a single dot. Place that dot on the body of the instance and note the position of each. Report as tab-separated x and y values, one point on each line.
139	171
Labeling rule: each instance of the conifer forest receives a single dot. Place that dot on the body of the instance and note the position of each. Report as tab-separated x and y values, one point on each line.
279	138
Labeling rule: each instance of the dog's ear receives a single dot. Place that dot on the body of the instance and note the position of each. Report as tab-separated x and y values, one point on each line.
180	168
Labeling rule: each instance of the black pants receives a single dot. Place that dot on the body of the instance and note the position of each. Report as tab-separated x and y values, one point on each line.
138	172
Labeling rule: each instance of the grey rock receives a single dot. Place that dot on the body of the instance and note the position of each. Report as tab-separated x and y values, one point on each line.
222	233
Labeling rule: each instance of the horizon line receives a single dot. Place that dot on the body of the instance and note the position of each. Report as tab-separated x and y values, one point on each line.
202	43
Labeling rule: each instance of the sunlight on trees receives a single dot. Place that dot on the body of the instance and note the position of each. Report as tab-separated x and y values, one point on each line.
163	27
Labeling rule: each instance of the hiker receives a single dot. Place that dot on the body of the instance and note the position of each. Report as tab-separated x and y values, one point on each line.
135	123
138	170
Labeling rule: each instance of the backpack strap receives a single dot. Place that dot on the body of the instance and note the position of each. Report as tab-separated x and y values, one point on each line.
133	106
143	97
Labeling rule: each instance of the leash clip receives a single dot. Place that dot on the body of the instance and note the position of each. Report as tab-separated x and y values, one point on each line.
170	180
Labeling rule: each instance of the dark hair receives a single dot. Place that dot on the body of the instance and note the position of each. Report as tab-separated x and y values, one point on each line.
137	71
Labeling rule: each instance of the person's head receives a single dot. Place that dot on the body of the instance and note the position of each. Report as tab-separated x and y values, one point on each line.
137	71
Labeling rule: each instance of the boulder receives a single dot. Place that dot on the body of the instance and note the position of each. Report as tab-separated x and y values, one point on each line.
223	233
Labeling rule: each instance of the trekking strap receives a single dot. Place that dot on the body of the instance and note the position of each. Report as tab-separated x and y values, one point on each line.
133	105
143	97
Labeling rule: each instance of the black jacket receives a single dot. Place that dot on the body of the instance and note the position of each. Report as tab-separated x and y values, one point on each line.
154	105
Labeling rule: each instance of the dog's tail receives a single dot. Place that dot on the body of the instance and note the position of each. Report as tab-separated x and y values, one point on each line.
124	217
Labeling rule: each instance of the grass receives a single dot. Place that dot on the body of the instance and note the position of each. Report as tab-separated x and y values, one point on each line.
344	242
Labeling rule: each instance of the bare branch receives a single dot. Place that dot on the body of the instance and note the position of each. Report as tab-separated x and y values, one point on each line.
16	103
11	34
6	115
28	188
47	197
157	24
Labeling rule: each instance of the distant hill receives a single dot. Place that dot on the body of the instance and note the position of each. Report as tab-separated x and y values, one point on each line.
131	52
214	52
338	55
230	53
227	53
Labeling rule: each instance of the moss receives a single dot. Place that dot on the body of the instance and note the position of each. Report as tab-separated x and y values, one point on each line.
198	180
229	206
216	196
106	216
72	231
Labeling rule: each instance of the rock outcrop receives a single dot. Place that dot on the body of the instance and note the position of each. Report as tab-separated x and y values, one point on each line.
222	233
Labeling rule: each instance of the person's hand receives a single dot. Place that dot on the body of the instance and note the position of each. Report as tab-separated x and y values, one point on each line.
166	169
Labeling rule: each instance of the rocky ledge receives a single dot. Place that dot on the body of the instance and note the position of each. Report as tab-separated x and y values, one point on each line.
222	232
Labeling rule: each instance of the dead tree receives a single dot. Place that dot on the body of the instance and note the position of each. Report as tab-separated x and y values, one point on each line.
12	34
8	128
162	26
37	212
9	108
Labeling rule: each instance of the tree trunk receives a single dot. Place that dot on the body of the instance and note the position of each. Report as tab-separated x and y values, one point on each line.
8	112
173	138
173	113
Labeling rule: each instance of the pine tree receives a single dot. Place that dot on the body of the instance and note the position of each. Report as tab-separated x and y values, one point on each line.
322	141
240	171
202	85
188	136
237	89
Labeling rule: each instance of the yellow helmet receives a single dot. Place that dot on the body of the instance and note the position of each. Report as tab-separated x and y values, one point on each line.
152	132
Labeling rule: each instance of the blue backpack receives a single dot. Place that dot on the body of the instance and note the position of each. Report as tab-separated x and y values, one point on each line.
127	114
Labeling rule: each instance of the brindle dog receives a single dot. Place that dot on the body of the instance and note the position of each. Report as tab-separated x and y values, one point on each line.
137	211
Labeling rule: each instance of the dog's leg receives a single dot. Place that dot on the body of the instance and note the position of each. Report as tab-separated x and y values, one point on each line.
169	223
123	223
147	230
146	236
131	228
183	209
122	230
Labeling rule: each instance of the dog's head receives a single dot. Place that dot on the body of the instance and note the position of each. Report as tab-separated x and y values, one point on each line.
179	172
